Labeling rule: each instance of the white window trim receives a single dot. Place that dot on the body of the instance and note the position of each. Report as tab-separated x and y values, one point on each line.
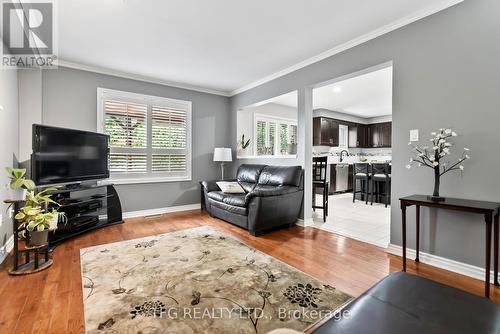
149	99
277	120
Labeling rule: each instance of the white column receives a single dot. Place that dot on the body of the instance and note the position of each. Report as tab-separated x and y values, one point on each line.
305	145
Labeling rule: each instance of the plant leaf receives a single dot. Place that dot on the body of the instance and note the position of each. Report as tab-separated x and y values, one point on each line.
16	184
29	185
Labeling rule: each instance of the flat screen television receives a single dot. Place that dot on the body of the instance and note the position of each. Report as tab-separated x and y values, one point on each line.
64	155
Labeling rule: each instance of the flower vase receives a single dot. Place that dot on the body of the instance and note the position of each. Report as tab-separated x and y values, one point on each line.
437	182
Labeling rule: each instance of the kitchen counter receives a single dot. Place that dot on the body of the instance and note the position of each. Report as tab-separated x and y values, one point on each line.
332	159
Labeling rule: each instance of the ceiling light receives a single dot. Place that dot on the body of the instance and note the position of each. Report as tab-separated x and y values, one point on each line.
337	89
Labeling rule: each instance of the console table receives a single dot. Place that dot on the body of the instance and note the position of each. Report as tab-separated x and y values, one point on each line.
490	211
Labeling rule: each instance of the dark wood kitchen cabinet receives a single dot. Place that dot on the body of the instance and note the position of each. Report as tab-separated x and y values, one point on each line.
380	135
358	136
325	132
385	134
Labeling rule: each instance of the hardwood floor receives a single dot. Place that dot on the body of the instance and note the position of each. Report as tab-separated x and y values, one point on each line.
51	301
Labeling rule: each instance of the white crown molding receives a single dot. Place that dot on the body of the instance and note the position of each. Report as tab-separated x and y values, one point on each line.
160	211
441	262
125	75
5	249
437	7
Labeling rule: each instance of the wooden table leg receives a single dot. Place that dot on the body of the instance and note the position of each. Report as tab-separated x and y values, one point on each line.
495	249
16	239
36	258
403	220
417	223
488	219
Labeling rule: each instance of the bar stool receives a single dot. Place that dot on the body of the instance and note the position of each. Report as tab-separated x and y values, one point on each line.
381	175
320	165
362	173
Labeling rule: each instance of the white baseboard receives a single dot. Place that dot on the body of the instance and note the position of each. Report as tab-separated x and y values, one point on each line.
441	262
5	249
160	211
305	222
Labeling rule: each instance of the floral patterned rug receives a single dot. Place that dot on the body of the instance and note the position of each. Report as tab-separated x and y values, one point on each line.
197	281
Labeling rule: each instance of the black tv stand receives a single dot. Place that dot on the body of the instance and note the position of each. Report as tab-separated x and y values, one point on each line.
87	207
73	186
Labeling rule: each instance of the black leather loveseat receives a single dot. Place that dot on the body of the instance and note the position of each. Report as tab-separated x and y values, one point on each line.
273	197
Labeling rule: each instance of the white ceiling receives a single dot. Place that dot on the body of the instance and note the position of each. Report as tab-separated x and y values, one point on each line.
368	95
222	45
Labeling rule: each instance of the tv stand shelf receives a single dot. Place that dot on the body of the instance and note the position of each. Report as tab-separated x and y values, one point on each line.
87	208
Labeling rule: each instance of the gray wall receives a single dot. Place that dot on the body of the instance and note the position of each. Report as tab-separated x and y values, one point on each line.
9	143
69	100
446	73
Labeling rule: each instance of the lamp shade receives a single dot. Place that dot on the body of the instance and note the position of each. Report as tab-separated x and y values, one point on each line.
222	154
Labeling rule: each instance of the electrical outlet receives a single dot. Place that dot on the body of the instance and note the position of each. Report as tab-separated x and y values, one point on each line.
414	135
11	213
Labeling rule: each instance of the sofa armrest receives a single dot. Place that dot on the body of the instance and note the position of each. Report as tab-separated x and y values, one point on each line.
209	186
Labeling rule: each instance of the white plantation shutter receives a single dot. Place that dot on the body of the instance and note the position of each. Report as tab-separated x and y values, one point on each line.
150	137
126	124
274	135
169	138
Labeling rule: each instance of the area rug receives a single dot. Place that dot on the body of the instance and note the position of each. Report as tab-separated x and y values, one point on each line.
197	280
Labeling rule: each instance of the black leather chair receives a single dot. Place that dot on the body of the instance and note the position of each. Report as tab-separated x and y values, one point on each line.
273	197
404	303
320	165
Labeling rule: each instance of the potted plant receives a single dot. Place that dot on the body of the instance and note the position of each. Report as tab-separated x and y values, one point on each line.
41	198
243	144
18	185
36	222
54	218
435	157
36	218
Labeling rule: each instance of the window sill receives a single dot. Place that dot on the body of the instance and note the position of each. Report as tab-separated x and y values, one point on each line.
291	156
148	180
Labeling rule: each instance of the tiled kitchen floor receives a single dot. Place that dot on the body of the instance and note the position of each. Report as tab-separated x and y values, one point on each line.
355	220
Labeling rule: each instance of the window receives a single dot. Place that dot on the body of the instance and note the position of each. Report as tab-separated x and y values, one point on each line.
150	137
275	136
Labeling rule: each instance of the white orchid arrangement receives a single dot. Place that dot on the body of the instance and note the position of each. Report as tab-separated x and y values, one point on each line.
434	157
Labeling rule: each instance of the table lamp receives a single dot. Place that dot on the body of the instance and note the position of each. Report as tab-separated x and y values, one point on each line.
222	155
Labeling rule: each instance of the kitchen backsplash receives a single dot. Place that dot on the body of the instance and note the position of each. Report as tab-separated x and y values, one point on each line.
354	151
371	151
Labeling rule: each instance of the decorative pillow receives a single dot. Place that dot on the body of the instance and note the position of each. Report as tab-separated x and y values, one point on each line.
230	187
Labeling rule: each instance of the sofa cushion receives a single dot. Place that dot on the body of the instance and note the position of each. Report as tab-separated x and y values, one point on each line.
247	186
265	191
217	195
281	176
230	187
235	200
230	199
249	173
229	208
